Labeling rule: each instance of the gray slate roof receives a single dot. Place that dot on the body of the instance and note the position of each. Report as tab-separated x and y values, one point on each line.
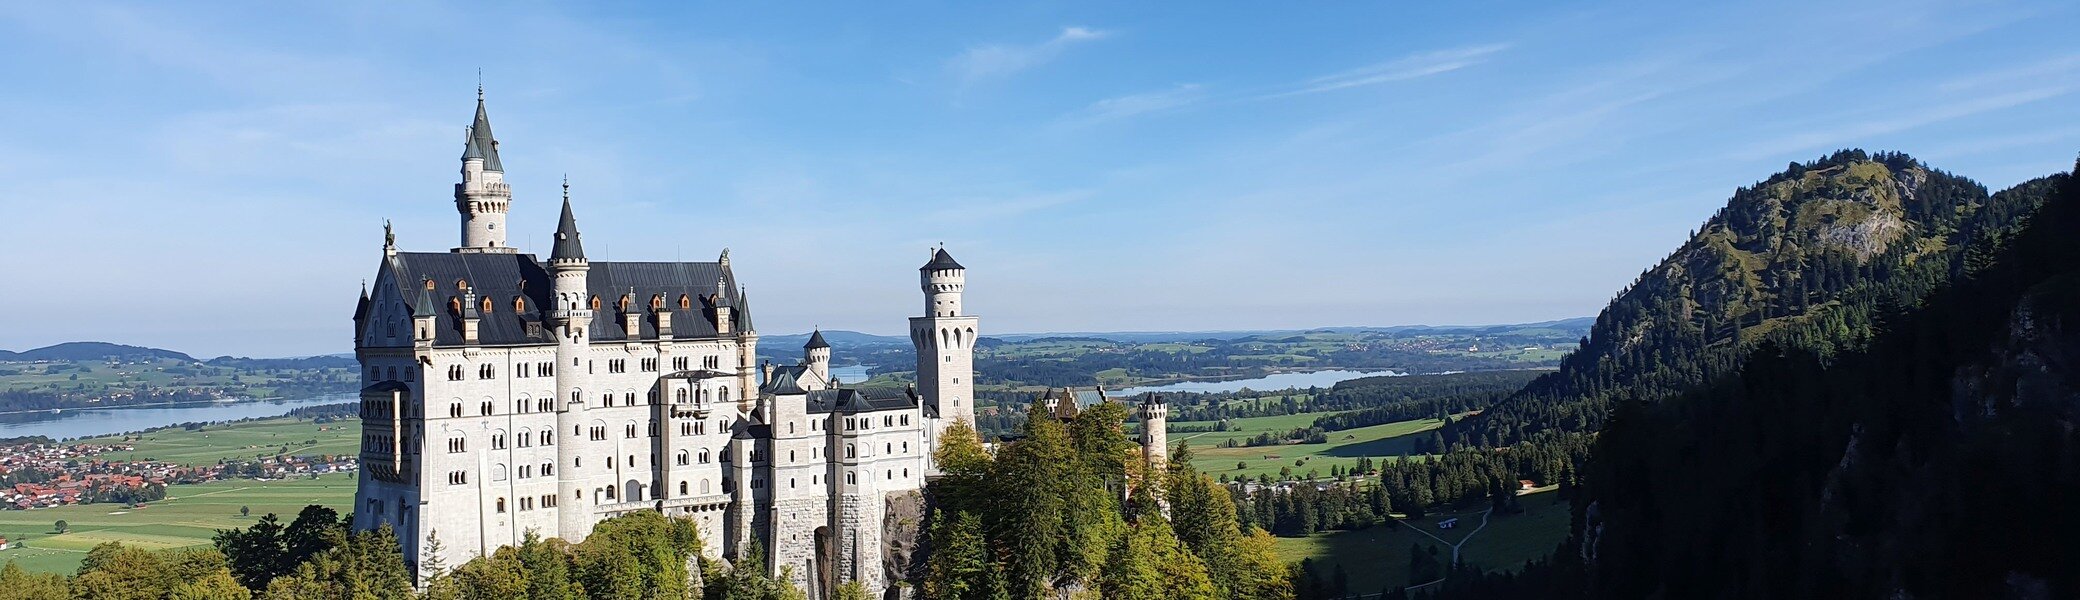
941	261
816	341
480	144
505	277
567	245
853	401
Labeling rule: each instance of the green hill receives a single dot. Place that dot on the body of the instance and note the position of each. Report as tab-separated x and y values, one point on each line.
1808	256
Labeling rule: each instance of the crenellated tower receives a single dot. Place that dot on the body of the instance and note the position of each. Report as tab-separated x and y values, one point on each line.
483	196
945	343
1155	434
572	319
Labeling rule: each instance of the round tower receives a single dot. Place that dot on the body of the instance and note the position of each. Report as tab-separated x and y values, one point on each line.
942	280
817	356
482	197
571	317
1155	435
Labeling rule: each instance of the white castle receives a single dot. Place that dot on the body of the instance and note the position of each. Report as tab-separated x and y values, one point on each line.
505	395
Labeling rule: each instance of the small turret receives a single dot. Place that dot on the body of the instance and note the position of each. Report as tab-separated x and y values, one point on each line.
817	356
423	317
470	316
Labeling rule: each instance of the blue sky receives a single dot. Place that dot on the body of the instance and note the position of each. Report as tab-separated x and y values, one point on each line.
214	178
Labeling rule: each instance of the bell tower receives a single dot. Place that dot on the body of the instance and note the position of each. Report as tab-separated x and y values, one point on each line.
482	197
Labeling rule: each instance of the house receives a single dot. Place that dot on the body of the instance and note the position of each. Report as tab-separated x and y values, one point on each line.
1448	523
1525	484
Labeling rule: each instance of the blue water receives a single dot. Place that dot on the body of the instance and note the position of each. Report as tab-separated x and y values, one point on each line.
91	422
1278	381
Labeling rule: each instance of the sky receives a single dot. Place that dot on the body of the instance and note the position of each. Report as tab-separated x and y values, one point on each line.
213	178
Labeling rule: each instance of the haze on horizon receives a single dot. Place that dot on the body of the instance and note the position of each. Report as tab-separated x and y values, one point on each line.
214	179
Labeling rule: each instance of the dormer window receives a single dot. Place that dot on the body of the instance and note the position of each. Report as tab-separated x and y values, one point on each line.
519	304
429	285
624	303
685	301
595	303
454	304
657	302
486	305
461	284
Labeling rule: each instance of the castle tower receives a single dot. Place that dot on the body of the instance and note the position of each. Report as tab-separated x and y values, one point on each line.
945	343
482	197
816	355
572	318
1155	436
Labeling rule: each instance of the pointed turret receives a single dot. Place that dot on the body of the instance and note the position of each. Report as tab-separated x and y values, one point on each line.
567	245
425	306
482	197
481	145
816	341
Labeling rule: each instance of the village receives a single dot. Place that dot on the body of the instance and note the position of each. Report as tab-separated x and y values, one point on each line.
43	475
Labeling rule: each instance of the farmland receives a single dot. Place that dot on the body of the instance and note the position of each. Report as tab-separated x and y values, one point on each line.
245	440
188	516
1377	557
1344	448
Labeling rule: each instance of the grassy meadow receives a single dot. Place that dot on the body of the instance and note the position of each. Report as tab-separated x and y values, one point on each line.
1344	448
246	440
188	516
1378	557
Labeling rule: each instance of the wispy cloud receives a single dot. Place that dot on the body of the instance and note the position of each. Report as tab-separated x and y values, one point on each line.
1130	105
1414	66
999	60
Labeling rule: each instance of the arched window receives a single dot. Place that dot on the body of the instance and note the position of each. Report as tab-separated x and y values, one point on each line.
623	305
595	303
685	301
519	303
682	488
657	302
486	304
461	284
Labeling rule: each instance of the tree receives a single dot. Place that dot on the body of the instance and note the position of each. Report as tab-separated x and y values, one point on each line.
62	526
1027	484
245	511
16	584
958	567
850	590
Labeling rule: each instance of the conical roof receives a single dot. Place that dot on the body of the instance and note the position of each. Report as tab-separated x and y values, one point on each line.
816	341
481	145
567	245
941	261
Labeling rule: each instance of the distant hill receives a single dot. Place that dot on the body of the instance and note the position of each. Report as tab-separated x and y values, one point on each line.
70	351
1145	337
836	337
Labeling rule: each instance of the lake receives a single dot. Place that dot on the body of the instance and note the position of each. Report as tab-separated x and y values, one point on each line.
91	422
1278	381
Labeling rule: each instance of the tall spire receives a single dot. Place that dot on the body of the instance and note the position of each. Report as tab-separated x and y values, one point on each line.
567	246
481	144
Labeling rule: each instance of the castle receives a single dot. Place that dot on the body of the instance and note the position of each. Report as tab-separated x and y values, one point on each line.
505	395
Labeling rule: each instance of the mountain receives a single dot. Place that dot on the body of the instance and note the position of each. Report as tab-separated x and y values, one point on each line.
836	337
1942	461
1157	337
71	351
1810	255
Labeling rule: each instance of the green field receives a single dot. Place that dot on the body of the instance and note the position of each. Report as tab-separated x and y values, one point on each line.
188	516
246	440
1380	442
1377	557
94	376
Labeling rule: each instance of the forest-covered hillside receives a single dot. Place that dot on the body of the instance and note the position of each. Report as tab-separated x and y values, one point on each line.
1808	256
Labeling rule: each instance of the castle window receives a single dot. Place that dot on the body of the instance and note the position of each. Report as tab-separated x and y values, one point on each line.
498	441
657	302
851	452
851	478
685	301
704	460
684	459
624	303
486	305
519	304
429	285
595	303
457	445
485	408
454	304
501	505
455	409
461	284
682	488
